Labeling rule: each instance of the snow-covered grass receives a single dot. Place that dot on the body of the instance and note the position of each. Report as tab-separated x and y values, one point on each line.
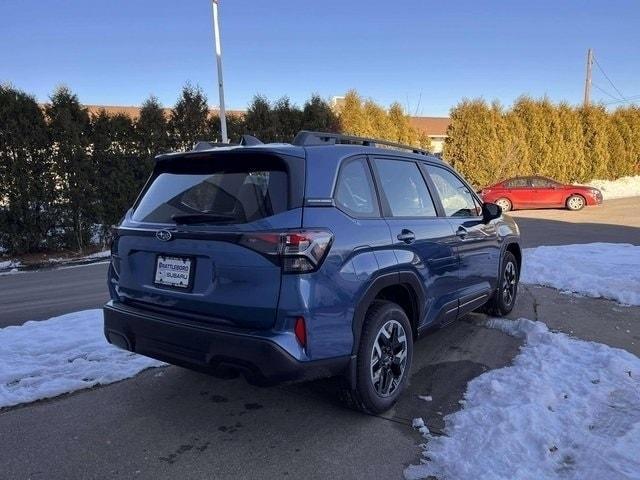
48	358
609	270
620	188
565	409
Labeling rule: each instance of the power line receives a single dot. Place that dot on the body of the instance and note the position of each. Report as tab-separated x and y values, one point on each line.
631	99
608	79
606	93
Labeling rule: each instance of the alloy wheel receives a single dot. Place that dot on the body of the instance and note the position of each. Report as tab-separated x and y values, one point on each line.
576	203
509	283
388	358
504	204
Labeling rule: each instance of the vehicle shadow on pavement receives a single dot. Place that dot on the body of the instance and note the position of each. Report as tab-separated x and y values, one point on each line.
538	231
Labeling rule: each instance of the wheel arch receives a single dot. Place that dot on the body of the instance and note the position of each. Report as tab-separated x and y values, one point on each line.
403	287
386	286
514	247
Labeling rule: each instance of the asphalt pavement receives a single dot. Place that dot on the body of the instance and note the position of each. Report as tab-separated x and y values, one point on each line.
174	423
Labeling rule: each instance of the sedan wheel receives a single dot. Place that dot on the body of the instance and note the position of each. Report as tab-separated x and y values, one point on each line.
575	202
504	204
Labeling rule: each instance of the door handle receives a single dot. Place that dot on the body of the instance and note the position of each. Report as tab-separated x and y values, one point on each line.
406	236
462	232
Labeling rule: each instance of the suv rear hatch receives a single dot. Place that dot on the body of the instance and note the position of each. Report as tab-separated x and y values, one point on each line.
199	242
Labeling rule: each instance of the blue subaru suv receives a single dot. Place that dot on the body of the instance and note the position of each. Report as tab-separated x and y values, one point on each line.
328	256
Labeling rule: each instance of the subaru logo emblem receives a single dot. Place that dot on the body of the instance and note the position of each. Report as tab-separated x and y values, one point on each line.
163	235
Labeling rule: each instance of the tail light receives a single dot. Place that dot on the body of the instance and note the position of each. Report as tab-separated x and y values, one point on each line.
299	251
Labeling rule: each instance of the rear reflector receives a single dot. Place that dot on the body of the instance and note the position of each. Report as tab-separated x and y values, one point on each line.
300	330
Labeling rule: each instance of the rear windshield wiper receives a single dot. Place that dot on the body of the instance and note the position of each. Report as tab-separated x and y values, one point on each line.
190	218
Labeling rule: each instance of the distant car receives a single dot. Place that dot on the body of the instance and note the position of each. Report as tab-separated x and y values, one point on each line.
539	192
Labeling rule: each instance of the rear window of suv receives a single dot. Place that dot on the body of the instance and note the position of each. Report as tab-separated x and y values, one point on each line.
215	196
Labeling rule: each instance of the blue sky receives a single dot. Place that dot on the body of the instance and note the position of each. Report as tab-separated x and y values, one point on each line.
426	55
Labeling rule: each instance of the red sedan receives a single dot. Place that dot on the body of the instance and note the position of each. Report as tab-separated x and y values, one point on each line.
539	192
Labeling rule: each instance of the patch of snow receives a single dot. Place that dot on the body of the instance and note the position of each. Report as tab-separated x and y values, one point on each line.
417	422
10	272
565	409
9	264
620	188
63	354
608	270
426	398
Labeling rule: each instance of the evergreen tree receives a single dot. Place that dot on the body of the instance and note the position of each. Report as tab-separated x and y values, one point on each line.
317	115
286	120
152	136
73	166
188	123
473	145
571	166
27	188
353	120
596	147
259	119
114	151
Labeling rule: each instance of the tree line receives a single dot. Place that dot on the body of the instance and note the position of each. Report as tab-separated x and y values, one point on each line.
487	142
67	175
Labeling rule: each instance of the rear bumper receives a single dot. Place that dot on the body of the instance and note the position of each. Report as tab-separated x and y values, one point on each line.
206	349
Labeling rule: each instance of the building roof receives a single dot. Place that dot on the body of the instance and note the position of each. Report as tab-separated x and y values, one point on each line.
134	111
431	126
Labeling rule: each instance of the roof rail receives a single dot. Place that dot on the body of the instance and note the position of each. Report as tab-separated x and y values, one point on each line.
306	138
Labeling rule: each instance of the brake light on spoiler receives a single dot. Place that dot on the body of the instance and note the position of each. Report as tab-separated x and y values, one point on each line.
299	251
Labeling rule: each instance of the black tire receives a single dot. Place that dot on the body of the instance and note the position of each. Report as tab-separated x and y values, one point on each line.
505	204
575	202
502	303
366	396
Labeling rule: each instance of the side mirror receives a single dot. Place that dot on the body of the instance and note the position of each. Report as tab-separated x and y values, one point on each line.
490	211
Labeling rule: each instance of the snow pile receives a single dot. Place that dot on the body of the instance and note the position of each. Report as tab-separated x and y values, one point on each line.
9	264
566	409
620	188
44	359
609	270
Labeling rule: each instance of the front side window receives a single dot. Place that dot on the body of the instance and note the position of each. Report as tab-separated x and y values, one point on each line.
224	197
354	190
456	198
405	189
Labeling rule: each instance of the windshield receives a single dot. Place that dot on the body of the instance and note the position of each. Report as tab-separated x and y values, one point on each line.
217	197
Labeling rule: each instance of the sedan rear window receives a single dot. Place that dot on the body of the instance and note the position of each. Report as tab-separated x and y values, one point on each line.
217	197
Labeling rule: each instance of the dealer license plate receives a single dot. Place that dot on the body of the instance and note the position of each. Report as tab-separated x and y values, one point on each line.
173	271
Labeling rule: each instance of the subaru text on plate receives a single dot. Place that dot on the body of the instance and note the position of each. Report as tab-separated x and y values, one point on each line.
325	257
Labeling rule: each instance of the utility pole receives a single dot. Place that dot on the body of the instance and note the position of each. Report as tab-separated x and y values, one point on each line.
587	82
216	32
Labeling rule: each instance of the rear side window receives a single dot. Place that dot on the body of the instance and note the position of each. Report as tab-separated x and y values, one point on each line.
405	189
516	183
456	198
541	182
214	197
354	190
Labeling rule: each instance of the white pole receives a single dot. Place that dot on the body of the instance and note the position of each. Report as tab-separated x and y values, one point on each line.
216	31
